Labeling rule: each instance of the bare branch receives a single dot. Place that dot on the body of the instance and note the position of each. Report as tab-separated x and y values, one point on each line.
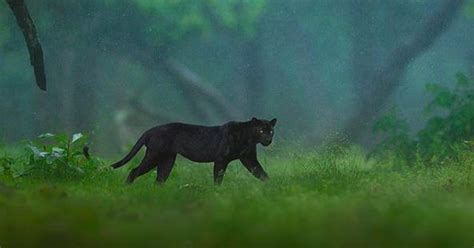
191	81
156	115
187	80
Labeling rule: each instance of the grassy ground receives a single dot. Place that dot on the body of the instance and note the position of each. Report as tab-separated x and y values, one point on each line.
310	200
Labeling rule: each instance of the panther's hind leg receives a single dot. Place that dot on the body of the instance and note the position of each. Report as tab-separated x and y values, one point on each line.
147	164
165	164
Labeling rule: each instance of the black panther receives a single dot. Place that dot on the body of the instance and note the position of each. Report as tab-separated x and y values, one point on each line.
218	144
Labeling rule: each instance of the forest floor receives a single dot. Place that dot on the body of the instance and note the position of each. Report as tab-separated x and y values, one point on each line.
338	200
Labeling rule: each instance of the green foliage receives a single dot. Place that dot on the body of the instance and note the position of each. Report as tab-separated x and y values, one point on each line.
237	15
443	135
173	21
176	20
469	8
53	156
449	130
6	163
156	23
396	137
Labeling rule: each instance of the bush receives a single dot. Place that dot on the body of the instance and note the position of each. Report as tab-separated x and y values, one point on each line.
6	162
448	133
52	155
396	140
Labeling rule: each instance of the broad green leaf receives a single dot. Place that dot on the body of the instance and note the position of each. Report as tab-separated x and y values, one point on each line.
58	150
37	152
46	135
76	137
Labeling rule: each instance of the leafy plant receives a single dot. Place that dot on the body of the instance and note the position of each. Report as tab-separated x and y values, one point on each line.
396	137
173	21
443	134
6	163
449	131
58	155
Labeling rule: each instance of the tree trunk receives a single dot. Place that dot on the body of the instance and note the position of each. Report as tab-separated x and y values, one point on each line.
22	15
383	82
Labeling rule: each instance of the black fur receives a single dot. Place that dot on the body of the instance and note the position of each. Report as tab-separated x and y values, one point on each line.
218	144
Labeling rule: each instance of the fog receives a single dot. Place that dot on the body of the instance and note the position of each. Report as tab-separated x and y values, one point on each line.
324	68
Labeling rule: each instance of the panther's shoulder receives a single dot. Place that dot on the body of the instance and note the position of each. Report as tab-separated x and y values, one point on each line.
233	126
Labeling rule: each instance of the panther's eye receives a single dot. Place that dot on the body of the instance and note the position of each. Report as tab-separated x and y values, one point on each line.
261	131
271	131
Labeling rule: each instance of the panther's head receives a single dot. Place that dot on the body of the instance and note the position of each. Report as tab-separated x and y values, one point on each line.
263	130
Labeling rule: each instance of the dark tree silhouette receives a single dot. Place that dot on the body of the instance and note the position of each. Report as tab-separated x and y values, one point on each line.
380	85
28	28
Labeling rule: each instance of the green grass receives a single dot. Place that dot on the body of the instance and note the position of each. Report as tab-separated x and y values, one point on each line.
332	200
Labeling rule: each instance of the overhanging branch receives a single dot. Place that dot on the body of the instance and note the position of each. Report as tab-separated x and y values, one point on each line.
28	28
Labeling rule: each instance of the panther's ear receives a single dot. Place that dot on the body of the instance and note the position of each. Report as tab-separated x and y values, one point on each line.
273	122
254	120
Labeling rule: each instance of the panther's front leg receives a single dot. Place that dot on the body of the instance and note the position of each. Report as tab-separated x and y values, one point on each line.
219	169
251	163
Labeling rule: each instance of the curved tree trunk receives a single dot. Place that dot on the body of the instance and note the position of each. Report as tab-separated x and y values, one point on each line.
382	83
28	28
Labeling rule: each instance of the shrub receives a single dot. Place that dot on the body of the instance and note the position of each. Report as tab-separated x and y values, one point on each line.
447	133
52	155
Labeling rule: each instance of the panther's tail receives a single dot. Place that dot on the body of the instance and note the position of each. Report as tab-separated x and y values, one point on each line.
141	141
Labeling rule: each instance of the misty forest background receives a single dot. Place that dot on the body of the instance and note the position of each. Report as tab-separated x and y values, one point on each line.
117	67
